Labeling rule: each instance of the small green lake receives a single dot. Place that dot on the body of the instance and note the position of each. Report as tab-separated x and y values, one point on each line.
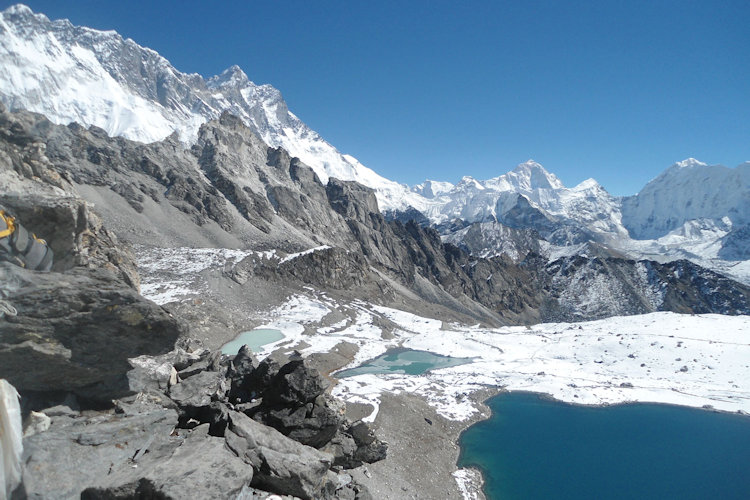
536	448
255	339
406	361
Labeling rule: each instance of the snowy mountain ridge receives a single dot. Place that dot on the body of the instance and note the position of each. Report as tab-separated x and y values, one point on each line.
692	210
587	205
132	91
686	191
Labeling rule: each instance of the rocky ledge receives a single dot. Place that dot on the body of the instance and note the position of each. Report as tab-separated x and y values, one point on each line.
201	425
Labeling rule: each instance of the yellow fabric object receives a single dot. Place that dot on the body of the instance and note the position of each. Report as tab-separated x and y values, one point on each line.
10	222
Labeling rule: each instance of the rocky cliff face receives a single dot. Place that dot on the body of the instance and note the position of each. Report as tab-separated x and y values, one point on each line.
598	287
487	239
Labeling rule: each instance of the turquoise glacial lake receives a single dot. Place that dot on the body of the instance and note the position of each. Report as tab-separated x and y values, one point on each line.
536	448
406	361
255	339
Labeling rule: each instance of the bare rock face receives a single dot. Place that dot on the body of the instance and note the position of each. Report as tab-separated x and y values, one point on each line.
194	466
333	268
351	199
75	331
484	239
294	383
600	286
75	327
75	234
47	204
79	451
281	464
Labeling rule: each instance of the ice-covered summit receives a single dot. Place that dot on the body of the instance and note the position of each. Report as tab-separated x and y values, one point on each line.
526	177
525	194
233	76
689	162
689	190
430	189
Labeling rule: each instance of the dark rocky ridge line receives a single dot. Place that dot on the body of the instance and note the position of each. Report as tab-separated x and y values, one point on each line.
234	187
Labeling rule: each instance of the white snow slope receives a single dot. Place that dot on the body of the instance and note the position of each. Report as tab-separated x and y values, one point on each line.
689	191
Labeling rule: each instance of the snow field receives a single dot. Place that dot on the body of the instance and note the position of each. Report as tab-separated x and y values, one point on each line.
697	361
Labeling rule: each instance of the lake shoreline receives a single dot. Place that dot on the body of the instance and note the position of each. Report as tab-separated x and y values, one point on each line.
423	450
604	363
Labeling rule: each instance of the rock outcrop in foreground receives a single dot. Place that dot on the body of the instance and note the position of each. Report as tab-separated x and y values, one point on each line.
198	433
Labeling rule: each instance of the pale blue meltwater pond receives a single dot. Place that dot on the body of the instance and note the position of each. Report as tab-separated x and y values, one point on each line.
255	339
405	361
536	448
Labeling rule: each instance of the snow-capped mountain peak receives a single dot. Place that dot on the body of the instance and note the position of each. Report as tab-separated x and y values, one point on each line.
92	77
526	177
688	190
431	189
689	162
20	9
233	76
589	184
468	182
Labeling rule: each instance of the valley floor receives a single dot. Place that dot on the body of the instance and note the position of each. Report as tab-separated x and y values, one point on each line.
691	360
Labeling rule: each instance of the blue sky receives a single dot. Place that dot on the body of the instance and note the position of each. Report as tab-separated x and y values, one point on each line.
615	90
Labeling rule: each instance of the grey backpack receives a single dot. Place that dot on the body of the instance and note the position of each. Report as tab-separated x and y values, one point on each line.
22	248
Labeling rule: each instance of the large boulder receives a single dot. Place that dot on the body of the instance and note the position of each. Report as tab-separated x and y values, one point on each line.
75	331
199	399
240	371
280	464
314	423
356	444
295	384
77	451
195	466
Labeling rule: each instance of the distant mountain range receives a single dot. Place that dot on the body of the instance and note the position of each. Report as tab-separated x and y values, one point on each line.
97	78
